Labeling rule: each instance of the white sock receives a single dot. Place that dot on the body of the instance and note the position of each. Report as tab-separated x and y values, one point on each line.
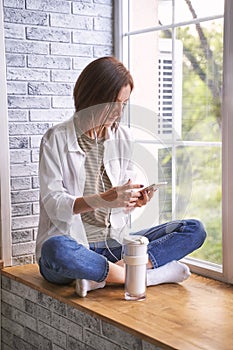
172	272
83	286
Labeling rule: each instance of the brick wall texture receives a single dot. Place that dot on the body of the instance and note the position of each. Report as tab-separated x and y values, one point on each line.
47	43
32	320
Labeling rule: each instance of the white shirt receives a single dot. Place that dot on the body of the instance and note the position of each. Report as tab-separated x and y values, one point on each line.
62	180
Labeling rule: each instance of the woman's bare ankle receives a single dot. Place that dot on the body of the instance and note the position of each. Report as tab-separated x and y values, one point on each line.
116	273
120	263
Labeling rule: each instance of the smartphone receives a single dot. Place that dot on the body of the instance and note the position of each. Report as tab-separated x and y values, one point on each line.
154	186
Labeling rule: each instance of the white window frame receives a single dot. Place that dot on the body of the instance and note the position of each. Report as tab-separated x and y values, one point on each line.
122	35
5	202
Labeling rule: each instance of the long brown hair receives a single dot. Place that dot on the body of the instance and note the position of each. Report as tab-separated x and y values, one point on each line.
100	83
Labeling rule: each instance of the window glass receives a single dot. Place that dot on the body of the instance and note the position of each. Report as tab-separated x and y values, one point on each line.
185	10
149	9
165	12
145	72
201	81
178	78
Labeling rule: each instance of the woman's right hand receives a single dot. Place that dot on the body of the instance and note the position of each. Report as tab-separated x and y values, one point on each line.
121	196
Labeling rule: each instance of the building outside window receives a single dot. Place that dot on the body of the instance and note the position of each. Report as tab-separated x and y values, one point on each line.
178	54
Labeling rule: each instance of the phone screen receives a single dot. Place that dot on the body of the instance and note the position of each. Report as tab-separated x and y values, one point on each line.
154	186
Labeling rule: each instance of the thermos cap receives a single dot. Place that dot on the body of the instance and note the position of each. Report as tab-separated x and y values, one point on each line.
135	239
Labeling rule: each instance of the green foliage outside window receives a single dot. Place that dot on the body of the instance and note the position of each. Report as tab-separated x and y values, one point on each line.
201	121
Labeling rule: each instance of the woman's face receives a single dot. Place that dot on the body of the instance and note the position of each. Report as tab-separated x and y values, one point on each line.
116	110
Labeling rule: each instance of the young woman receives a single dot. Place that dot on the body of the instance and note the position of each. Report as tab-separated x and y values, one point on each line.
87	191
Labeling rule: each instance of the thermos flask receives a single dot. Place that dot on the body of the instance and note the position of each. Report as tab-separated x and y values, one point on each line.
135	258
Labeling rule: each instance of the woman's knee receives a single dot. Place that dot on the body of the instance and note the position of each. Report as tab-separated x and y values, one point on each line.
56	245
199	232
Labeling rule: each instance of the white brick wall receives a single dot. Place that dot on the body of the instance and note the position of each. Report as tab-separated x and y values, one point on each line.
48	43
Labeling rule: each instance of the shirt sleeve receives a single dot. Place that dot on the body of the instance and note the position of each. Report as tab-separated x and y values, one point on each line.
57	202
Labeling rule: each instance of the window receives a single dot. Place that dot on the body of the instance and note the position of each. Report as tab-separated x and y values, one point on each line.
180	113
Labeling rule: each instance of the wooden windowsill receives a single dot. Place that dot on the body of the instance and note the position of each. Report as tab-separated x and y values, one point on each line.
197	314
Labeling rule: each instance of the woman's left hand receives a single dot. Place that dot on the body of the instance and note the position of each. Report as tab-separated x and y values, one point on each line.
141	198
145	197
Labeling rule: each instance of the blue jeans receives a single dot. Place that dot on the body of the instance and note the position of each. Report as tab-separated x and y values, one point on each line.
63	259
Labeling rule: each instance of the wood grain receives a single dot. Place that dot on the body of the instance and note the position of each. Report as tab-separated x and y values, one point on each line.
197	314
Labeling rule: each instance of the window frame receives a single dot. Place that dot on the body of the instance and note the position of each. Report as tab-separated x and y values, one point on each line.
5	201
122	35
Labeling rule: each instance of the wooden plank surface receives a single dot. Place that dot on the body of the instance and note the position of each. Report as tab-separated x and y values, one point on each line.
197	314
